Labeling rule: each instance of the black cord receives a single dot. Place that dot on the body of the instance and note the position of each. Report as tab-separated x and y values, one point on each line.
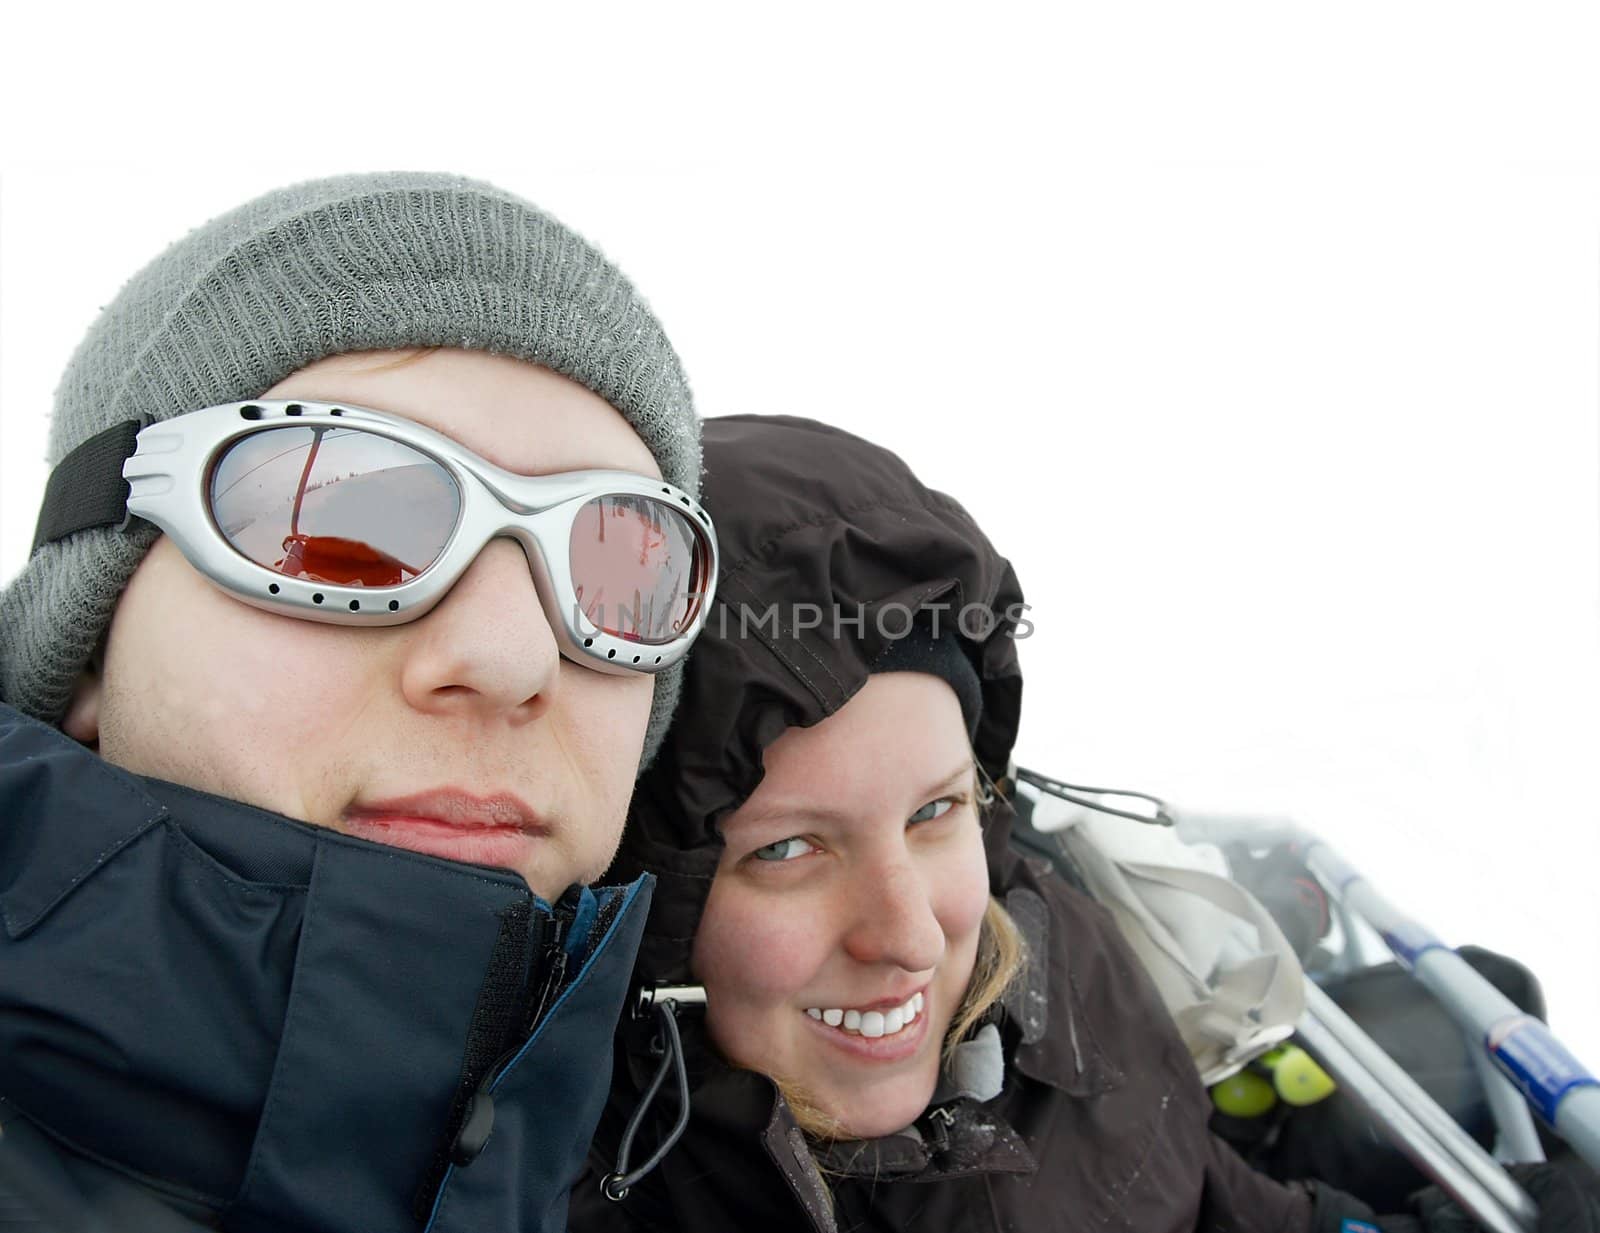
619	1181
1067	791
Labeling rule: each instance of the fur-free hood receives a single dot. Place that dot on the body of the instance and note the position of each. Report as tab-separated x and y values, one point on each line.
829	546
1102	1121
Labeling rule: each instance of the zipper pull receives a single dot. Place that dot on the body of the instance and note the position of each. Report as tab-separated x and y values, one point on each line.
473	1136
555	956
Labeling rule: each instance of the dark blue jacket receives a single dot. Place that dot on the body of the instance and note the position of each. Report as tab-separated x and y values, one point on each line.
216	1017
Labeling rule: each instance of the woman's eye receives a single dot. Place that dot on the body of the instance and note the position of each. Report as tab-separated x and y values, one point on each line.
932	810
783	850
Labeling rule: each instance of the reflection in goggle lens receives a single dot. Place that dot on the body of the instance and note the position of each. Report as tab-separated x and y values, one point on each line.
352	508
638	567
334	505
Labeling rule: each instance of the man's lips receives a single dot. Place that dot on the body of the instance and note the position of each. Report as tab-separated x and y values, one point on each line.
457	810
499	829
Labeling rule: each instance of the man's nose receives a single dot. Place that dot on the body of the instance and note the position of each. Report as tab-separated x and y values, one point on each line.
487	648
893	919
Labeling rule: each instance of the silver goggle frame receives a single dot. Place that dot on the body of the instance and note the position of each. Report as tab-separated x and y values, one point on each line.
169	477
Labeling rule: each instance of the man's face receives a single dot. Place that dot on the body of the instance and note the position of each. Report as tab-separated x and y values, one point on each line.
463	734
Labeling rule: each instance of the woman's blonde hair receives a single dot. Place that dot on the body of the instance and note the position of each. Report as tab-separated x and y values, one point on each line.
1001	955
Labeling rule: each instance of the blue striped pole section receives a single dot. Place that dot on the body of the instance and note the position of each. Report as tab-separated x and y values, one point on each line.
1564	1092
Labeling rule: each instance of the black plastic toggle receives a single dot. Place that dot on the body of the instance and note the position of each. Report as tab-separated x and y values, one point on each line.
474	1134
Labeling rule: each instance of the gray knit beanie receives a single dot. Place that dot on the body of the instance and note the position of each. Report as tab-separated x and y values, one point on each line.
352	263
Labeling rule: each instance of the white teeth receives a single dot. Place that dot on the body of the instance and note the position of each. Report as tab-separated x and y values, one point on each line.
872	1023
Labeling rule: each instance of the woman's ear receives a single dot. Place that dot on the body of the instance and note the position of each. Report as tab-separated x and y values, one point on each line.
82	720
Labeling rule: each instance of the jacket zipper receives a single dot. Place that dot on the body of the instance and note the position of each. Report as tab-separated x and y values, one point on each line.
554	975
547	976
478	1121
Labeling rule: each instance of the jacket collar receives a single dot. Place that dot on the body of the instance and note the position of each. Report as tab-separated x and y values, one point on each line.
958	1139
277	1021
736	1109
42	772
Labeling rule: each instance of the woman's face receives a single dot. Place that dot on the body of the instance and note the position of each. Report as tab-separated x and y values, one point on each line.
841	928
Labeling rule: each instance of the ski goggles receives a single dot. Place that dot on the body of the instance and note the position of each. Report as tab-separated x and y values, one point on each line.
356	517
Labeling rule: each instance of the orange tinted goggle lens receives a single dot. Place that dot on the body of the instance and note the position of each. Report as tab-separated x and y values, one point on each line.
334	505
638	567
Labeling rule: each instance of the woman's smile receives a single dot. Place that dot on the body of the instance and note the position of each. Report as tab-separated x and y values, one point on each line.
889	1034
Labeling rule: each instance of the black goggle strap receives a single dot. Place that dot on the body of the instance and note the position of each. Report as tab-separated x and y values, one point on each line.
87	489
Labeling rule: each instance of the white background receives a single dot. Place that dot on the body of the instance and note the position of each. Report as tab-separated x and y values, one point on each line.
1264	340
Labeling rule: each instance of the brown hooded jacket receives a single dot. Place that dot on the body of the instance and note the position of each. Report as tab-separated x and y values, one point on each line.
1102	1123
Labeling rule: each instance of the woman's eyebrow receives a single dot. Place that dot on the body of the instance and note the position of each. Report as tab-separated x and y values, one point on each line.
800	807
962	771
785	809
810	809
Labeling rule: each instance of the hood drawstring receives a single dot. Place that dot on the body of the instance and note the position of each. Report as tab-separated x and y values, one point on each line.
665	1001
1069	792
